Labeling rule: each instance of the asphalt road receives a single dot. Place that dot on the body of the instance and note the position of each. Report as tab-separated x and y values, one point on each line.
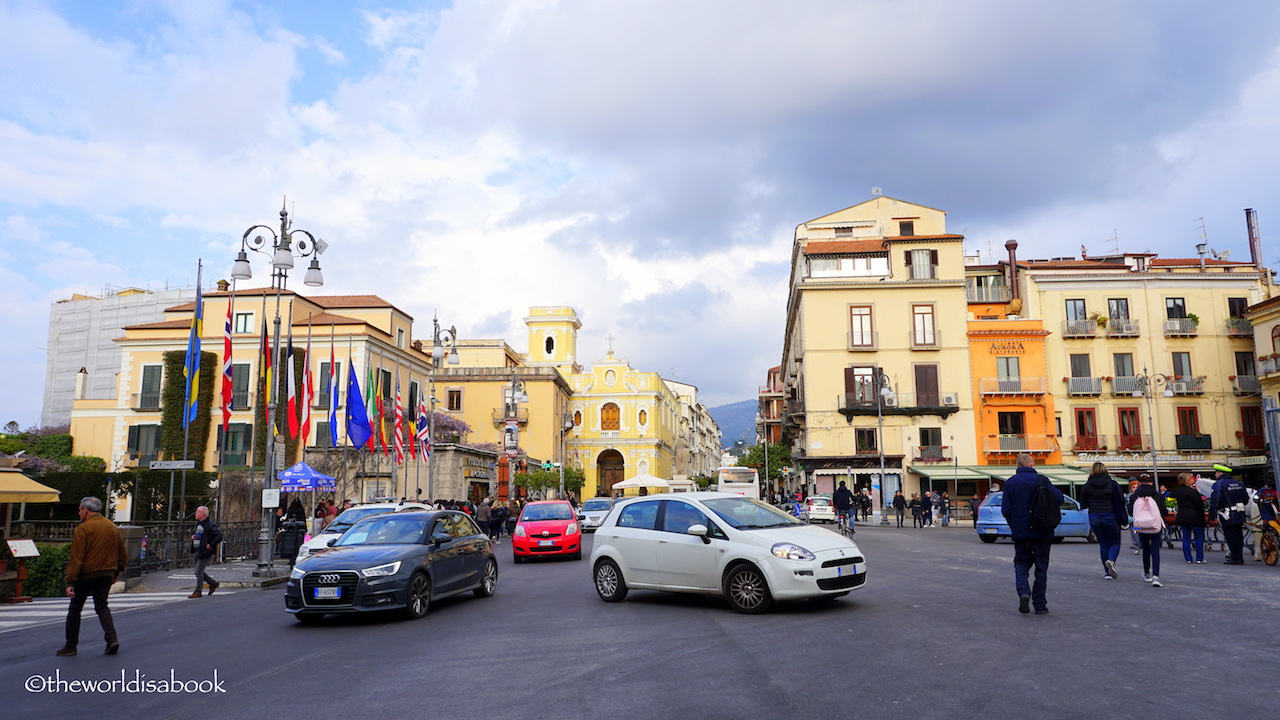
934	634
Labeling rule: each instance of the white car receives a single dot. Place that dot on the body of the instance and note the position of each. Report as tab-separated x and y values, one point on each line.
346	519
593	512
721	544
818	508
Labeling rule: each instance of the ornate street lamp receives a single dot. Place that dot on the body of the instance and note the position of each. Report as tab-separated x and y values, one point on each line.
281	247
884	395
1142	386
442	348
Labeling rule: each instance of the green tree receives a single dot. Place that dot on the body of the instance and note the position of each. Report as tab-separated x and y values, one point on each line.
779	461
548	481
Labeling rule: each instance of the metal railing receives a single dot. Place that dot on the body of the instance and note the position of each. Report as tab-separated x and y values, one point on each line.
923	272
1133	442
1079	328
145	401
1180	326
985	293
1123	328
1188	385
1020	443
1246	385
164	545
1084	386
1193	442
924	340
1012	386
1088	443
1268	365
1239	327
1124	385
932	453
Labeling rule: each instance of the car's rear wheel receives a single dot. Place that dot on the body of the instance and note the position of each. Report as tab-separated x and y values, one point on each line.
987	538
488	579
309	618
746	590
609	583
419	600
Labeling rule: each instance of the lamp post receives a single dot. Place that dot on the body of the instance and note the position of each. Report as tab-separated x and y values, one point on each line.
566	424
1142	386
764	425
442	347
511	418
283	247
884	394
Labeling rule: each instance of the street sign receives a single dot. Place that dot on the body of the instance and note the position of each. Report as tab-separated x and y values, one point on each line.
173	464
271	498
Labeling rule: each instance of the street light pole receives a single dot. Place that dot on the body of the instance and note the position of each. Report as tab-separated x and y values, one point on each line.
284	246
566	424
1142	386
440	340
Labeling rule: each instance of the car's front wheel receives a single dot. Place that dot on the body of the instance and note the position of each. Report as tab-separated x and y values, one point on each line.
987	538
609	584
488	579
419	600
746	590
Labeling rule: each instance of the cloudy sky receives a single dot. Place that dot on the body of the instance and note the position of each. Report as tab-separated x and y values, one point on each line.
644	161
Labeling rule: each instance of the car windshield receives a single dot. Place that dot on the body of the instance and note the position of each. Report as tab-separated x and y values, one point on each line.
819	501
351	516
553	511
596	505
993	500
747	514
385	530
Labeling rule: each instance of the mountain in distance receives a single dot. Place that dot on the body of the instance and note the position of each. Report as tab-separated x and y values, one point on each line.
737	421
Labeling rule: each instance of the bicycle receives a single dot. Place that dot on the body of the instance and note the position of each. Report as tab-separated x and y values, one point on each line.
843	518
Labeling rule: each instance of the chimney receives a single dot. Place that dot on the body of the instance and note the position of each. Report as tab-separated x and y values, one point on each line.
1012	247
82	380
223	286
1255	243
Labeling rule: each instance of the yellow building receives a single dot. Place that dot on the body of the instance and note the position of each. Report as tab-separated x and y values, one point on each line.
1265	319
875	365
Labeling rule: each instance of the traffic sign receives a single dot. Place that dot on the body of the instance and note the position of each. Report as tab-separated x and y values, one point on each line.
173	464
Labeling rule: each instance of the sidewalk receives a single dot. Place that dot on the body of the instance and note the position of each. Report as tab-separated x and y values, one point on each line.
233	574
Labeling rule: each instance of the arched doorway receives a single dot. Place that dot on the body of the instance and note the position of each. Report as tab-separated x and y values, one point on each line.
611	467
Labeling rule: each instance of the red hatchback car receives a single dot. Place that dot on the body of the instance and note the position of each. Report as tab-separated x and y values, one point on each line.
548	527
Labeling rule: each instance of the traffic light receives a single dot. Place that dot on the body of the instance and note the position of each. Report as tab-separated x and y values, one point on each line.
547	465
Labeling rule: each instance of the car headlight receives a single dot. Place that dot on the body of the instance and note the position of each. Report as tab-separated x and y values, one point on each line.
382	570
296	573
572	529
788	551
304	551
520	531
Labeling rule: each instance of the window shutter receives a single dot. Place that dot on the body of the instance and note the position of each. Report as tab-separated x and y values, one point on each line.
132	443
906	254
933	257
850	381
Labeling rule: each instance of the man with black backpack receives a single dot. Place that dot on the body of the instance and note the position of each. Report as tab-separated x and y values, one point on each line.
1029	505
1228	504
204	543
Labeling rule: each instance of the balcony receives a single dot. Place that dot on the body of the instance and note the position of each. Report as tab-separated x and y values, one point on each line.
1193	442
1268	365
922	272
924	340
775	389
1181	327
1250	441
863	340
1084	386
1002	444
932	454
500	416
1239	328
1124	385
240	400
1079	328
864	403
1133	442
985	293
1088	443
1246	385
1123	327
145	401
1187	385
1012	386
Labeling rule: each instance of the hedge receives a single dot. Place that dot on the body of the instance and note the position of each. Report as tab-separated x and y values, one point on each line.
47	574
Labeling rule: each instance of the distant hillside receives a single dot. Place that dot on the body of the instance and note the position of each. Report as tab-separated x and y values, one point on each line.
736	420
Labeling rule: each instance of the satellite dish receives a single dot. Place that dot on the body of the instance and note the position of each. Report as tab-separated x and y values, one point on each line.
876	192
1223	255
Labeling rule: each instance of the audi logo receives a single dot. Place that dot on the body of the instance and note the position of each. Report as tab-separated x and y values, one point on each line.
328	579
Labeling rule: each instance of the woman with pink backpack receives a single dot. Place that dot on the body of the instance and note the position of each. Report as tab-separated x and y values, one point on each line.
1146	509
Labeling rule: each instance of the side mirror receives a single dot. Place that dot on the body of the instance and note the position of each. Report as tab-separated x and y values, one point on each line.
441	538
582	517
701	531
331	542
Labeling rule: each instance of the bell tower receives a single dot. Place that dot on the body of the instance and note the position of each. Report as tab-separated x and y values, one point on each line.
553	337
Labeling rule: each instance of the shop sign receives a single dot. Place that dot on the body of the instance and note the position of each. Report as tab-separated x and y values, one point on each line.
1007	347
1139	457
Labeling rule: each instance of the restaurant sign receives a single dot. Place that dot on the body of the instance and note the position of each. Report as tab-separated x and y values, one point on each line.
1139	457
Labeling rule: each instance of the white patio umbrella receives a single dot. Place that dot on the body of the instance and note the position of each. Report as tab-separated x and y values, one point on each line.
643	480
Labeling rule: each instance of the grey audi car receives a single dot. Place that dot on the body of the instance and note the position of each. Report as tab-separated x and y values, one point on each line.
397	562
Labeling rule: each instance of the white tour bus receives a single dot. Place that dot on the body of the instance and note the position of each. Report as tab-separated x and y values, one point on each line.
740	480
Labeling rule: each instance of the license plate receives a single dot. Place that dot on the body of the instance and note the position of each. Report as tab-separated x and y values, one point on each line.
546	543
328	593
989	531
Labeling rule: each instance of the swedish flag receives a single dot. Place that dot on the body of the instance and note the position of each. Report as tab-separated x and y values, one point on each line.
191	370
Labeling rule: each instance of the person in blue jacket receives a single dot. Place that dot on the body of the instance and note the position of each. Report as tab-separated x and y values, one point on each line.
1030	548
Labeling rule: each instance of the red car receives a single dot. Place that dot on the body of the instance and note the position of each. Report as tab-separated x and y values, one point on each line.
549	527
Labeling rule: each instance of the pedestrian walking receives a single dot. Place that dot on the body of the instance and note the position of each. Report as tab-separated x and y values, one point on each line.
917	509
1102	497
899	506
1133	533
97	558
974	502
1228	504
944	508
482	516
1030	548
1147	510
204	543
1190	517
926	510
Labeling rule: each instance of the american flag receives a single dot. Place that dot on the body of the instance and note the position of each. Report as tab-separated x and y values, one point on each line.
424	430
399	428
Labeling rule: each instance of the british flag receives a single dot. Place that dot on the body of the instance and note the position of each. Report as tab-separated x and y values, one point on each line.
424	430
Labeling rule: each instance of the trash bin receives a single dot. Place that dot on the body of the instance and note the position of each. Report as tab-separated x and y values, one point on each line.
291	534
133	538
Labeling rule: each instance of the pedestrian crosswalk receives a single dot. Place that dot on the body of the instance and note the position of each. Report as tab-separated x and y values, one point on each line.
42	611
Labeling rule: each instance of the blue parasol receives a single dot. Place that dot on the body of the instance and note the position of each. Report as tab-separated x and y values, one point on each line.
304	477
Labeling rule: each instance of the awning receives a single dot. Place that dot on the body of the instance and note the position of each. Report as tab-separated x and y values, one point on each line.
949	472
304	477
18	488
1063	474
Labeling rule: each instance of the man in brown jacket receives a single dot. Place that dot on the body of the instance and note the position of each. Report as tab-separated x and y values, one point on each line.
98	557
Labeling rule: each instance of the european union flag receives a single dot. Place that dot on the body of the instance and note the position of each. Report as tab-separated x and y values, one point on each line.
358	429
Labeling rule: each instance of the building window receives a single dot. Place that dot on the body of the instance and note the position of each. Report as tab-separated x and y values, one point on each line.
1130	429
864	440
927	394
1080	366
577	417
454	400
322	438
411	411
906	228
236	450
922	264
1182	364
1012	428
844	231
610	417
824	266
1188	421
1118	308
1275	339
923	327
549	345
400	338
643	418
322	397
149	398
860	327
1175	308
143	443
244	322
1237	306
1075	310
1123	363
1245	365
1009	373
1086	429
239	386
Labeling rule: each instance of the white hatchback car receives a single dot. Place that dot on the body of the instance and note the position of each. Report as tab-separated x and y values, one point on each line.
721	544
818	508
348	517
593	512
